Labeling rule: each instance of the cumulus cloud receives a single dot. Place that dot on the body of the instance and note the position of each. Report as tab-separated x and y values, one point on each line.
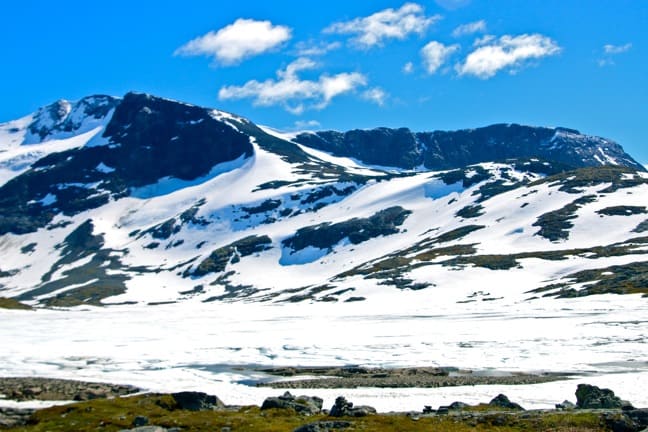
291	92
375	95
312	48
616	49
469	28
408	68
435	55
243	39
507	52
390	23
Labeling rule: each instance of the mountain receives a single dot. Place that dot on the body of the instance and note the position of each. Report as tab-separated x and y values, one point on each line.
142	199
441	150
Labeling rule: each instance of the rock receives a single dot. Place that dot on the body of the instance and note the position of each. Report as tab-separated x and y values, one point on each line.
620	423
592	397
13	417
302	404
146	429
443	410
565	405
197	401
503	401
324	426
427	409
140	421
344	408
626	406
457	406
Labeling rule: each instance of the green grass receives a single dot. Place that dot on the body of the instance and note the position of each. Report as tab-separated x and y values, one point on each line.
9	303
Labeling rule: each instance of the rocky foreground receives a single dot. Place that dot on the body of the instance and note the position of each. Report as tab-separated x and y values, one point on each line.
110	408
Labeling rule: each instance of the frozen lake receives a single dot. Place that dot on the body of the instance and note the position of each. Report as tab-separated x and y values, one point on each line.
197	346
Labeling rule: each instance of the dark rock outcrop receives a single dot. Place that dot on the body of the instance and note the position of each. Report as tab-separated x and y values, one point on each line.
453	149
197	401
301	404
502	401
344	408
593	397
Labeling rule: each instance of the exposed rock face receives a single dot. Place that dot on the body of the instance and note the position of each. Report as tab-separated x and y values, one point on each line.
452	149
344	408
301	404
147	138
503	401
23	389
592	397
197	401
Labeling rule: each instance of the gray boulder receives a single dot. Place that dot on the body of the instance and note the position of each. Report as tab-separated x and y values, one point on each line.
324	426
197	401
592	397
344	408
301	404
502	401
565	406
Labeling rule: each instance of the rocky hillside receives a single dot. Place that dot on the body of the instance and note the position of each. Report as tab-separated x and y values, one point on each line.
440	150
146	200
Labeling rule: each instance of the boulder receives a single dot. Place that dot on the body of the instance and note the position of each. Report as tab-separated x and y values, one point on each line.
344	408
457	406
146	429
301	404
565	405
140	421
324	426
197	401
502	401
592	397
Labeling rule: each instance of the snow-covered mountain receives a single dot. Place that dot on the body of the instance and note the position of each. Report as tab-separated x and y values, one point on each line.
147	200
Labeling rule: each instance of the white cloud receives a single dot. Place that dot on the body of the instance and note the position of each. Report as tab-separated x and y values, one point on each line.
511	52
311	48
292	93
469	28
616	49
301	125
452	4
386	24
408	68
484	40
243	39
375	95
435	55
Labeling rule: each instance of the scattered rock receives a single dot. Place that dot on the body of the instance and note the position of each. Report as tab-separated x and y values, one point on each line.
28	388
11	417
592	397
140	421
565	405
302	404
148	429
620	423
197	401
502	401
324	426
344	408
457	406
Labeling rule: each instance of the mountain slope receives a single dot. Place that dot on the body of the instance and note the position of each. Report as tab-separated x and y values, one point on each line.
446	150
147	200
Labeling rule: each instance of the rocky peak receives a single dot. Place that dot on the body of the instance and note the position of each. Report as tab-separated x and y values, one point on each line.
63	119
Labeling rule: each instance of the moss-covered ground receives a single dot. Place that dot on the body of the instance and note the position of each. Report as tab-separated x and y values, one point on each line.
162	410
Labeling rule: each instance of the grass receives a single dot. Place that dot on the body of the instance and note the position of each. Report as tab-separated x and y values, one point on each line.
9	303
162	410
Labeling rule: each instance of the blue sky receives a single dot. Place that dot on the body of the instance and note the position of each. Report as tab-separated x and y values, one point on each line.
426	65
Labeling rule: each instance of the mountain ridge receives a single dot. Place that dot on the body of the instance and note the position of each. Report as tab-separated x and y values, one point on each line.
149	200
